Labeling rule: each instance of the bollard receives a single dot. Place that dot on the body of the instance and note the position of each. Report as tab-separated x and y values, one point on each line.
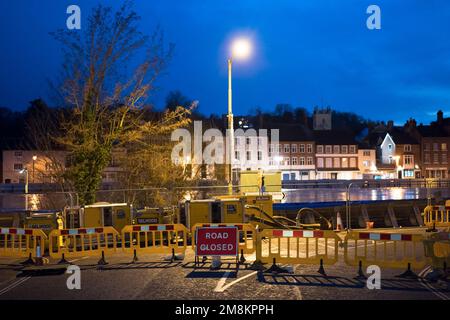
321	268
102	260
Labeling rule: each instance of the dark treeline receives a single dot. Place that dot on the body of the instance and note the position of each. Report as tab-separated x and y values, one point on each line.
17	127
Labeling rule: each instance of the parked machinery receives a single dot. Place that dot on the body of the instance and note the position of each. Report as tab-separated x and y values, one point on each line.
101	214
162	215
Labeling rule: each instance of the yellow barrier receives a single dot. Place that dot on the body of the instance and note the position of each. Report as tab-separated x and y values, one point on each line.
437	248
247	235
154	238
437	216
390	250
83	242
17	242
297	247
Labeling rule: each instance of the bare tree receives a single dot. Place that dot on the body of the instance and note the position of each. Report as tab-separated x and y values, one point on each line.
106	99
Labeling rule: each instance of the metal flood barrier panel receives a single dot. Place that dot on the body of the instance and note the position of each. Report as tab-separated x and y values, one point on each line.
438	216
83	242
17	242
247	235
298	246
390	250
155	238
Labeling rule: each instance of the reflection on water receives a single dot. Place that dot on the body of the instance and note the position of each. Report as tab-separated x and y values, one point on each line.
57	201
340	194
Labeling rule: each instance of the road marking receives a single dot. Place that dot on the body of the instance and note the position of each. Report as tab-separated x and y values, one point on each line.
220	285
13	285
430	287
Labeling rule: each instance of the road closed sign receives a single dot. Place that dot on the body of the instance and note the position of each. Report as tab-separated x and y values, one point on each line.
220	241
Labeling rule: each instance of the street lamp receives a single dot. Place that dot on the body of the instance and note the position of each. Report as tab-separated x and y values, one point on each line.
241	49
25	171
34	159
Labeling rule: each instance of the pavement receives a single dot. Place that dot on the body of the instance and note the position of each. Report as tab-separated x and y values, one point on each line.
155	277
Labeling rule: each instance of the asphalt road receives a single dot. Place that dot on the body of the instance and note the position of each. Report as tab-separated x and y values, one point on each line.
153	277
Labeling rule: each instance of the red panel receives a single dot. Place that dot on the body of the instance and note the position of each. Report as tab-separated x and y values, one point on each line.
298	234
318	234
12	231
80	231
385	236
406	237
64	232
239	227
152	228
364	235
169	227
99	230
136	228
28	231
277	233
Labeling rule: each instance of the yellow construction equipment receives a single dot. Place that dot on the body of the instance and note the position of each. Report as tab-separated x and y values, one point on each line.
101	214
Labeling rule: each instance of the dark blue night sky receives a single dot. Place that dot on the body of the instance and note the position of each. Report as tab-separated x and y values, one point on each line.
308	53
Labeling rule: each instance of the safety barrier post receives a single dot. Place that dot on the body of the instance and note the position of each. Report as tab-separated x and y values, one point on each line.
257	264
102	261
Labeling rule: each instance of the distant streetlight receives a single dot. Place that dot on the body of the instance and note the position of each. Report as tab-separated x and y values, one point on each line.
34	160
25	171
241	49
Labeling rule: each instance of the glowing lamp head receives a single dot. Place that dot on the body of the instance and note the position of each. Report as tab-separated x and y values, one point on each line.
241	48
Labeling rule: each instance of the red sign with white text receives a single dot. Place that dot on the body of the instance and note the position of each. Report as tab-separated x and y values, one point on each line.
220	241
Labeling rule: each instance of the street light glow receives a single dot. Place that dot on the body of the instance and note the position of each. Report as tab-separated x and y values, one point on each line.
241	48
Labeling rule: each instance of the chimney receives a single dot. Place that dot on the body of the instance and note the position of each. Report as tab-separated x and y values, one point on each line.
440	117
390	124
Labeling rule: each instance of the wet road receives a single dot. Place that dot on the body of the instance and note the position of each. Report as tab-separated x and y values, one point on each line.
153	277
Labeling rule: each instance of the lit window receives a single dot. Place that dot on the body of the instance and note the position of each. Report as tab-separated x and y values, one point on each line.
294	148
18	166
294	161
407	148
302	161
336	149
319	149
444	147
309	161
352	149
344	149
344	163
287	148
320	162
302	148
337	162
309	148
327	149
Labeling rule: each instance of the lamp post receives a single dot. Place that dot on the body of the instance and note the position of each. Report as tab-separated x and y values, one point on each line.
25	171
240	49
34	159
